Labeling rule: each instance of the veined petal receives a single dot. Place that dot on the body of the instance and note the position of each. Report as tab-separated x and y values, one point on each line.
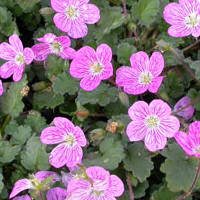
56	193
116	187
7	69
155	84
64	41
104	54
52	135
29	55
107	71
1	88
41	51
89	83
155	141
64	124
47	38
23	197
80	136
59	5
194	128
136	131
7	52
16	43
18	73
179	30
62	22
135	88
42	175
20	185
68	53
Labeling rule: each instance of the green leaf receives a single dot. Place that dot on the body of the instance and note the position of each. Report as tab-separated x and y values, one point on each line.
1	182
103	95
124	51
110	155
27	5
11	101
139	191
138	160
35	121
194	94
145	11
35	157
64	83
195	65
8	152
179	168
47	100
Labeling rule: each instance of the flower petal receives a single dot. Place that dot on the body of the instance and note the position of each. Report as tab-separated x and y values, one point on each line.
138	111
62	22
136	131
90	13
155	141
42	175
7	69
196	31
47	38
116	187
135	88
1	88
68	53
159	108
80	136
64	124
179	31
104	53
7	52
18	73
59	5
64	41
107	71
140	61
169	126
156	64
89	83
194	128
16	43
155	84
29	55
20	185
23	197
52	135
56	193
41	51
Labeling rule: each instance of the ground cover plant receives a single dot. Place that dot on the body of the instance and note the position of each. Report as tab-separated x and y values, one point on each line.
99	99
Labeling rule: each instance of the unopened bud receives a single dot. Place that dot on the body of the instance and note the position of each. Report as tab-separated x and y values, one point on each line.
83	114
124	98
112	127
40	86
97	135
25	91
46	11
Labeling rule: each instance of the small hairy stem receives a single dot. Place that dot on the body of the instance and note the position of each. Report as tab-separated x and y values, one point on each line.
131	194
193	184
124	8
191	46
41	197
96	115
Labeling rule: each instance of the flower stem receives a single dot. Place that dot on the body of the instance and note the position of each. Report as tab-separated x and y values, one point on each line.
124	8
41	197
191	46
131	194
193	184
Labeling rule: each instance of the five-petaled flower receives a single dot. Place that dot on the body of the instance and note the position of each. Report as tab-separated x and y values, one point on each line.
190	142
16	56
70	139
98	184
143	74
33	183
50	44
73	16
184	18
153	123
92	66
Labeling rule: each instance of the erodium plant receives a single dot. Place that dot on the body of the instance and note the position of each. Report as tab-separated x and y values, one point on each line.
110	105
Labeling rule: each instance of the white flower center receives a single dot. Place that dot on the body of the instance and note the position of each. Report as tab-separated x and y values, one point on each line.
96	68
96	193
56	47
197	149
145	78
192	20
152	122
70	140
19	59
72	12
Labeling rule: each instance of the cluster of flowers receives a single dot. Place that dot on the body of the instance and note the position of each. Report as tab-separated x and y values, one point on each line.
153	123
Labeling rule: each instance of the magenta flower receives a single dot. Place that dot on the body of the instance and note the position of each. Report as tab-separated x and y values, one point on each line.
1	88
153	123
57	193
33	182
73	16
51	44
186	110
143	74
16	56
23	197
70	139
98	185
92	66
184	18
190	142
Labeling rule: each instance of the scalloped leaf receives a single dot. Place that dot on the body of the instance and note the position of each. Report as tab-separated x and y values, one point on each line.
103	95
138	160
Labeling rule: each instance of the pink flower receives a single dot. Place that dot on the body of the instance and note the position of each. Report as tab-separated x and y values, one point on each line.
57	193
185	111
153	123
73	15
190	142
23	197
1	88
98	185
70	139
184	18
92	66
51	44
16	56
143	74
33	182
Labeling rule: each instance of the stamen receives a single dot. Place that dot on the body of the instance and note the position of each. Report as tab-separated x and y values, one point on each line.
145	78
